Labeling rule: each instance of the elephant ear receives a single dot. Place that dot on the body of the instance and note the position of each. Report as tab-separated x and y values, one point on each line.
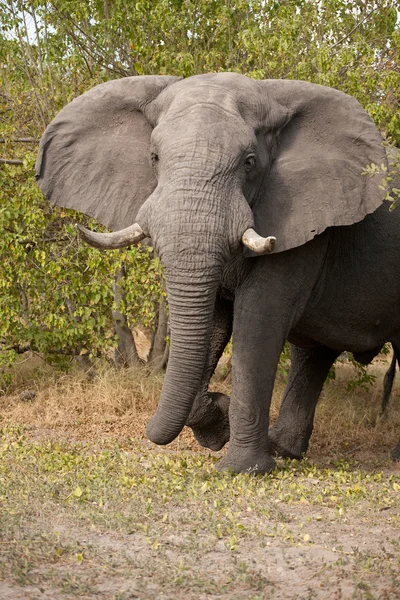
325	139
94	156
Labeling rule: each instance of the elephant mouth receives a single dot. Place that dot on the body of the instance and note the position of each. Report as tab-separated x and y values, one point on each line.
214	446
209	421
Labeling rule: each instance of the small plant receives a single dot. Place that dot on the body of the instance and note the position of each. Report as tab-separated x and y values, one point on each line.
392	194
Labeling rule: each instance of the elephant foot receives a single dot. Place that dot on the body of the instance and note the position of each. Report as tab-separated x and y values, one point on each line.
287	444
240	461
396	452
209	421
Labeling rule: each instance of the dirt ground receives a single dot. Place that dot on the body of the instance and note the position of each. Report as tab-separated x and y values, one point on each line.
89	511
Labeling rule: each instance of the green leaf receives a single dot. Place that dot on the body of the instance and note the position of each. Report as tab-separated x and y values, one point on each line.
78	492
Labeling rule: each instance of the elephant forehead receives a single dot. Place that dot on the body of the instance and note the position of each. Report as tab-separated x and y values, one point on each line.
213	97
228	93
201	125
234	82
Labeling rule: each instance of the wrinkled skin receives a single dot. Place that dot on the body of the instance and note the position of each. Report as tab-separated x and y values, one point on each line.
228	154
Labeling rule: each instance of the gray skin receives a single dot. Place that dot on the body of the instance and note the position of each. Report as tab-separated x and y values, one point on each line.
290	435
229	153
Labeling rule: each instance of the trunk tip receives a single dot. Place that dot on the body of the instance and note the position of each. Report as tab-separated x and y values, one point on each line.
159	435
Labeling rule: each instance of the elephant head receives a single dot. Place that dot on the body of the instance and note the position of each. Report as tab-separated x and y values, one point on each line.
201	165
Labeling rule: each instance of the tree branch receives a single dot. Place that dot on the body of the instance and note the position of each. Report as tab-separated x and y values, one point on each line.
11	161
26	51
21	349
23	140
354	28
99	59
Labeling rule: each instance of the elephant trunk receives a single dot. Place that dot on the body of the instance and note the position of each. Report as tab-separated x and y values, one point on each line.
191	306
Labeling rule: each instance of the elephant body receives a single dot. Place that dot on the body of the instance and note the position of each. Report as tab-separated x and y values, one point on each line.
254	196
347	309
338	305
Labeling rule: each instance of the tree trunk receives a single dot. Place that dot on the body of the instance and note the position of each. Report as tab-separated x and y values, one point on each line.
82	359
159	351
224	372
126	354
106	10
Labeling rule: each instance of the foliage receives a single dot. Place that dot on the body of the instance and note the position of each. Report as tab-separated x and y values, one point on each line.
353	46
362	379
392	171
284	363
55	293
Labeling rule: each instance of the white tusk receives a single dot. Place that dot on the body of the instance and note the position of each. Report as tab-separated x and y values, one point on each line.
110	241
257	243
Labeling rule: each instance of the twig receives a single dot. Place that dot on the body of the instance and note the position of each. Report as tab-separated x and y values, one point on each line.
99	59
11	161
354	449
354	28
39	47
339	41
106	10
29	348
26	50
23	140
51	240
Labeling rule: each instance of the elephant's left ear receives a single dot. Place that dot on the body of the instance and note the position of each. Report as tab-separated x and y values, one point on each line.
325	139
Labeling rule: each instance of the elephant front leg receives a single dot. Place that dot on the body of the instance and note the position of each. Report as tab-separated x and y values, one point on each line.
290	434
258	339
209	417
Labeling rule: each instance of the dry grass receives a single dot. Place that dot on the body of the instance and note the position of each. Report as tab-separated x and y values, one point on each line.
119	403
116	402
349	421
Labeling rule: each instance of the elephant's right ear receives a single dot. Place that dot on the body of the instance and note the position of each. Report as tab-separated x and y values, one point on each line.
94	156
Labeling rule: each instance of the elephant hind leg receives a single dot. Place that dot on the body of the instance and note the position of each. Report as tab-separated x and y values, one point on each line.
290	434
389	377
396	452
387	389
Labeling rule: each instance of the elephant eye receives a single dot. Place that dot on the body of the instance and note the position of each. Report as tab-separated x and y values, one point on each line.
154	158
249	163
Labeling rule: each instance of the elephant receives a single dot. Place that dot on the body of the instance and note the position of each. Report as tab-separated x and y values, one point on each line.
253	194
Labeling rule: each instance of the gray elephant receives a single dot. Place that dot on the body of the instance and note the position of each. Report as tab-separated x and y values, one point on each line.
253	195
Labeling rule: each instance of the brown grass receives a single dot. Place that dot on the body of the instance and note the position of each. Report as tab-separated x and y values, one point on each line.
350	421
115	403
119	403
